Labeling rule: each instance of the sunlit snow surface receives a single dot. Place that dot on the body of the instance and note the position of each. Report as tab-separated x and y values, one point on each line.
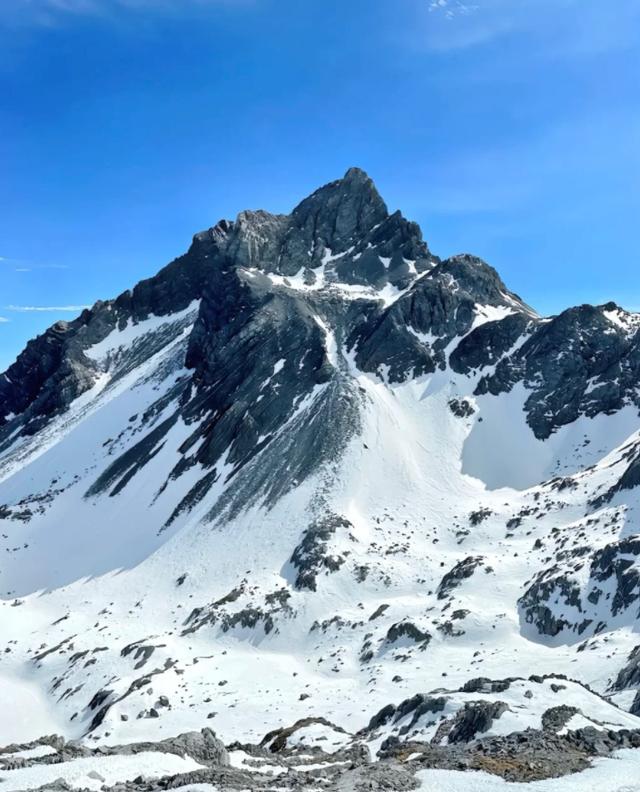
502	451
94	773
86	577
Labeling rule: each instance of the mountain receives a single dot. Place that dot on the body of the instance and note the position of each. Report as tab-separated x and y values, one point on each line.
316	488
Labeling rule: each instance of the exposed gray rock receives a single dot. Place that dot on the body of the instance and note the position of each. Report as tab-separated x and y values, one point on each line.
560	362
629	674
485	685
276	740
312	556
556	718
462	570
475	717
612	567
407	629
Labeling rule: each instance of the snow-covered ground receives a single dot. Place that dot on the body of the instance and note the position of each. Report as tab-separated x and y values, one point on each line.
99	596
94	773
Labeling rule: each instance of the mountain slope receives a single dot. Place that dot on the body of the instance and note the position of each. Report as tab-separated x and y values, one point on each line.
310	469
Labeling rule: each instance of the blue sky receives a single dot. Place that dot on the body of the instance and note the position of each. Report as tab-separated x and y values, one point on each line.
506	128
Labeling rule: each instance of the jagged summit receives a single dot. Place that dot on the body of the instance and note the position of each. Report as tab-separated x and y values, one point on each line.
343	211
341	233
308	465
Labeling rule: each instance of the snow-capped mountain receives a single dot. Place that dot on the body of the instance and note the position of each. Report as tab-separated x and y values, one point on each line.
311	471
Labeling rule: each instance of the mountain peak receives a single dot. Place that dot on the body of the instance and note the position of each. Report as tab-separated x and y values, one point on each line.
343	231
343	210
357	175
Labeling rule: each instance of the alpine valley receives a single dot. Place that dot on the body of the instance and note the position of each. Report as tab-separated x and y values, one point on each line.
312	508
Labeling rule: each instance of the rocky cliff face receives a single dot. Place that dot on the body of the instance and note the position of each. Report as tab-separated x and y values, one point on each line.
312	437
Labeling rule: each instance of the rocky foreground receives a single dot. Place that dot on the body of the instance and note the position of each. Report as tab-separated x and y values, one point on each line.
313	753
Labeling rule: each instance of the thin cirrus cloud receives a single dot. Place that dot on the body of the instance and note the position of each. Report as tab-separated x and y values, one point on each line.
452	8
45	308
570	27
26	265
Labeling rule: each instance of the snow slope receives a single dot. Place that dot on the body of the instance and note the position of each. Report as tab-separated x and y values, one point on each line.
152	585
110	578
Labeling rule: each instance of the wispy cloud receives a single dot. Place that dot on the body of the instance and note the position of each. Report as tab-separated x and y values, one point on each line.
568	26
452	8
4	319
46	308
26	265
